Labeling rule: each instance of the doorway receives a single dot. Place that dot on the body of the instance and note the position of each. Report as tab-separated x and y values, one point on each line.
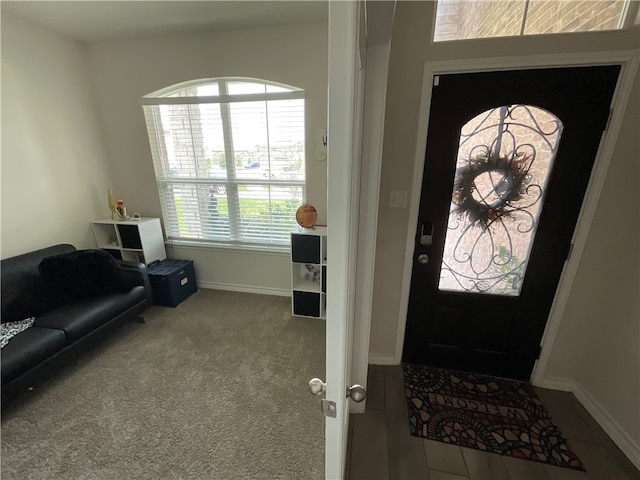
509	156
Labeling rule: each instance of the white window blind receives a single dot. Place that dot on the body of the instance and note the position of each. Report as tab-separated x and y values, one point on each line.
229	159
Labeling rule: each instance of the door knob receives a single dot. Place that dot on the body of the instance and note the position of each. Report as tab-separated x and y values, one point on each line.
357	393
317	386
423	258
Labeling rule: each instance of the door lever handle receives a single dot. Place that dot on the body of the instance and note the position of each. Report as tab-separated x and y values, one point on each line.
426	234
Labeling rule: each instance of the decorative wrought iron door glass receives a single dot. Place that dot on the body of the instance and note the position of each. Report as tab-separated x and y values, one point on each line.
505	156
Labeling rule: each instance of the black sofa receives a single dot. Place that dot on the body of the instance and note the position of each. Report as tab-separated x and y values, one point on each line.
65	321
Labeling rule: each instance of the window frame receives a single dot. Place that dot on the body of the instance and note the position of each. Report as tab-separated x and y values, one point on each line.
165	180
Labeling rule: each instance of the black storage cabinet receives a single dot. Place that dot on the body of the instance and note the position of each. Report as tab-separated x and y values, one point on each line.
172	281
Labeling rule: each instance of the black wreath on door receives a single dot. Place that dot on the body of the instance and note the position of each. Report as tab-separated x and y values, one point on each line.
484	208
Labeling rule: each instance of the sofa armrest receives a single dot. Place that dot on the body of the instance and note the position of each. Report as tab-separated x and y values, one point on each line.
142	269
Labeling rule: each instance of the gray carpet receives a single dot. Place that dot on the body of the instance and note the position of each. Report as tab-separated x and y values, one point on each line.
213	389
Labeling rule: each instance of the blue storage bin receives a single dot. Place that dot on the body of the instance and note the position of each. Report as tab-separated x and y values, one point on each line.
172	281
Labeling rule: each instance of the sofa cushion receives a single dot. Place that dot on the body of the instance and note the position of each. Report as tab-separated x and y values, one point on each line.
24	293
28	349
37	298
88	273
85	315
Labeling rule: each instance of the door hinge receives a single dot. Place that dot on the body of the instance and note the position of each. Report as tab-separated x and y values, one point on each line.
539	352
569	252
436	80
606	127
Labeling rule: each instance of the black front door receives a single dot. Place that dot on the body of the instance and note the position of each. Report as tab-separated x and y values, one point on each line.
509	156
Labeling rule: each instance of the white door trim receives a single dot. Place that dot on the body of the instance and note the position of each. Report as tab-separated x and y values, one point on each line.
629	59
377	67
342	202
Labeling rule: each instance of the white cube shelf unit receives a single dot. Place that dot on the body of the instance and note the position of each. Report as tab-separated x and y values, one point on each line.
131	240
309	272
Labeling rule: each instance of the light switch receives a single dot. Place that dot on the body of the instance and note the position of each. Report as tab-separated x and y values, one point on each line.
398	199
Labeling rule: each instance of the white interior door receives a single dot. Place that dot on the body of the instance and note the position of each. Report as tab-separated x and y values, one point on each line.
343	148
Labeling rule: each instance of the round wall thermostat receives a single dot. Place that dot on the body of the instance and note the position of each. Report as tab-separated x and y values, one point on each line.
306	216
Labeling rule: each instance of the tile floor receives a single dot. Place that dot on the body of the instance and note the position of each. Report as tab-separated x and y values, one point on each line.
380	446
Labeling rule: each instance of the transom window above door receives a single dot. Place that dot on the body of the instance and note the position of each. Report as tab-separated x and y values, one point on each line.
464	19
229	159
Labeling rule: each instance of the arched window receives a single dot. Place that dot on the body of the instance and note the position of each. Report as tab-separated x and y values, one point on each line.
229	159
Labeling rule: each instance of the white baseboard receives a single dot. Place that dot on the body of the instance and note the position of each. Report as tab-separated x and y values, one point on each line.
561	384
245	288
619	436
377	359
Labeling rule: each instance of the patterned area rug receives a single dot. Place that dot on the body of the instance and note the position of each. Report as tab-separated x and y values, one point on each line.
485	413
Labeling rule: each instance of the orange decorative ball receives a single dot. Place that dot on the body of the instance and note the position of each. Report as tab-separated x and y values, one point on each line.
306	216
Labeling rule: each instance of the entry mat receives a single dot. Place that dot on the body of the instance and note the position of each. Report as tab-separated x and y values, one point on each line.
485	413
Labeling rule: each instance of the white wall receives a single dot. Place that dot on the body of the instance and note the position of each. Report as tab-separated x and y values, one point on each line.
54	170
590	337
598	344
125	70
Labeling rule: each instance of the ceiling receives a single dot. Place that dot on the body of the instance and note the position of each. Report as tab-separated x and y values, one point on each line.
93	21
